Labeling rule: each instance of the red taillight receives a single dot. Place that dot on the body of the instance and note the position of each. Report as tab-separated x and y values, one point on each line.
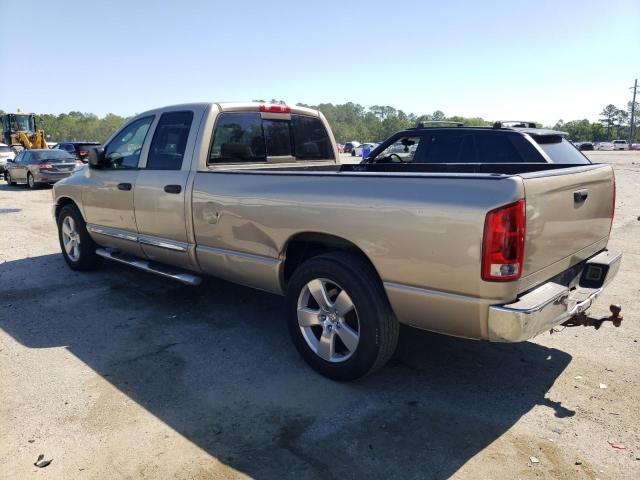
275	108
503	244
83	152
45	166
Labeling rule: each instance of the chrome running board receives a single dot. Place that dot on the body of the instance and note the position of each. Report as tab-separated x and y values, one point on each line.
159	269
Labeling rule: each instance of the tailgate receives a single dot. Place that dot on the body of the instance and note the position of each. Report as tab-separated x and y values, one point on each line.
568	219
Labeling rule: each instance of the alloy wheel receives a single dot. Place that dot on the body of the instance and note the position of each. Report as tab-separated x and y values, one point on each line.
71	238
328	320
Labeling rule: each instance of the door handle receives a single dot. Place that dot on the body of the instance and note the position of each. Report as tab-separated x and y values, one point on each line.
172	188
580	195
124	186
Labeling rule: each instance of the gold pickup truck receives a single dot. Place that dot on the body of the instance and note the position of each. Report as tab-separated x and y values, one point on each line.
495	233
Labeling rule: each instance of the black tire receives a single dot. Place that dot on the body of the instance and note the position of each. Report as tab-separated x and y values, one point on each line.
88	259
8	179
31	183
378	327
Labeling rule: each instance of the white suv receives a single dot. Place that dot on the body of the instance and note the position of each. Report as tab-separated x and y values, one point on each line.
620	145
5	154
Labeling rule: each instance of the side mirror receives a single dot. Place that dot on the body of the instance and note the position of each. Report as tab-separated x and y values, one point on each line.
97	158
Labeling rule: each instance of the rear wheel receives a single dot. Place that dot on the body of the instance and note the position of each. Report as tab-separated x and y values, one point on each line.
339	317
31	182
78	249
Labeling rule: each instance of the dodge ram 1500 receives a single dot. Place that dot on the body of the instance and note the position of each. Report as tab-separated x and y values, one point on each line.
495	233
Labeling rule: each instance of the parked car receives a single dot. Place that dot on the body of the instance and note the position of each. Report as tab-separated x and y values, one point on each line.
620	145
38	167
6	155
80	150
635	146
585	146
254	193
349	146
357	151
606	146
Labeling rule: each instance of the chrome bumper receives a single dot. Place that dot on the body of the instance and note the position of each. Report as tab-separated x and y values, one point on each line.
550	304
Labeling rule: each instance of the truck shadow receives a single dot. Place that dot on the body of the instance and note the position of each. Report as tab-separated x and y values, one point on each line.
215	363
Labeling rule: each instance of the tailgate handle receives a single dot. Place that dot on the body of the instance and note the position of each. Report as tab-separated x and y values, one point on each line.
580	196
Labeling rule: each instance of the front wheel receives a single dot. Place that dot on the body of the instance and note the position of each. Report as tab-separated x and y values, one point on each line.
8	179
78	249
339	317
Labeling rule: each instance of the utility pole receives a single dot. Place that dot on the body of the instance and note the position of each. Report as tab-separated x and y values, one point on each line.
633	113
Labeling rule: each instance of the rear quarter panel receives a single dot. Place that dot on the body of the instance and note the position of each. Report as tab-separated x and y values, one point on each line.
422	233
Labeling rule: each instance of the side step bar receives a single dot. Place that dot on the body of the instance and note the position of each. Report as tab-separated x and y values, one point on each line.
159	269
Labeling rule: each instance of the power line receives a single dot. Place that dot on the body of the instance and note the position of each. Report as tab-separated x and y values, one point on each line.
633	112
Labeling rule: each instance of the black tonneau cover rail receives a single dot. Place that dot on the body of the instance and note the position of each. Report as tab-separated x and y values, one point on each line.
497	168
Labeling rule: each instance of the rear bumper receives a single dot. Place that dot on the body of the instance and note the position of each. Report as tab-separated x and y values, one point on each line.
551	304
51	177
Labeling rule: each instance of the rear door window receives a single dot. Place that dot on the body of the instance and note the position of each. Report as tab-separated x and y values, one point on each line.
170	141
311	140
445	147
560	150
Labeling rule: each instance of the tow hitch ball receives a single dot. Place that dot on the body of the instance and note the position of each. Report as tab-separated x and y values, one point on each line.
583	320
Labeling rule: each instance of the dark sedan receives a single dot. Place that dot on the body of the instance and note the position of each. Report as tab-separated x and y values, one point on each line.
39	167
79	149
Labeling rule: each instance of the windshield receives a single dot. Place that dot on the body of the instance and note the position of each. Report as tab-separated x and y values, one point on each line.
53	155
22	123
560	150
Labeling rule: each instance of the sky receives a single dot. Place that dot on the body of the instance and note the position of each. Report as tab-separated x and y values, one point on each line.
542	60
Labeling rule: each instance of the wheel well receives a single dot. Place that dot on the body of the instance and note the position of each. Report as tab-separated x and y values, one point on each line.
62	202
304	246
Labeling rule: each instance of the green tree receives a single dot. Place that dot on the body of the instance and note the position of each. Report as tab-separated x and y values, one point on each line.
608	118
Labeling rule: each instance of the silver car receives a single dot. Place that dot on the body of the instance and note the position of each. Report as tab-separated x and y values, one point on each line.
38	167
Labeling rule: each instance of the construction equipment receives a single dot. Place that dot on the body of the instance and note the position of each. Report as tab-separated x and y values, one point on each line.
19	131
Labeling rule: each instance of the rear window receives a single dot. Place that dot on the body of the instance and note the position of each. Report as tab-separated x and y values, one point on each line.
310	138
238	138
246	137
560	150
53	155
277	136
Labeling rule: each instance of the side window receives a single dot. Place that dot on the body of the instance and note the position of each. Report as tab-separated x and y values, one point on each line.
169	141
311	140
124	150
18	158
444	147
501	148
403	150
238	138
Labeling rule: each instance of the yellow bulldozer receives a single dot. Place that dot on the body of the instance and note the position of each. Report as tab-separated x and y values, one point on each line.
20	132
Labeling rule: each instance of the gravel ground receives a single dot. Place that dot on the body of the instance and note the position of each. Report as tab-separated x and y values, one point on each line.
119	374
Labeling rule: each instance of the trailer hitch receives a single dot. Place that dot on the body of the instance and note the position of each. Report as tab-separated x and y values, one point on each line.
582	319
